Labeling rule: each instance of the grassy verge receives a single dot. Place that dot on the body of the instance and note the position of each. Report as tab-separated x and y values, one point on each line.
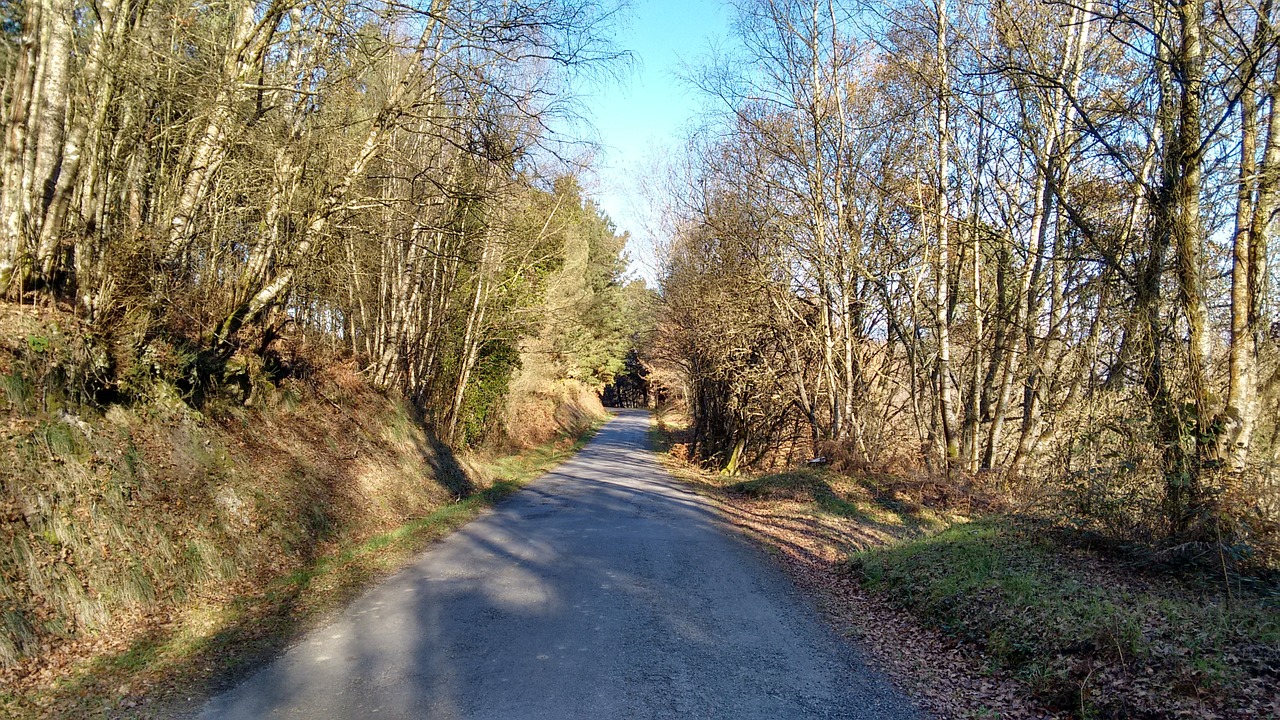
840	496
997	616
217	640
1087	637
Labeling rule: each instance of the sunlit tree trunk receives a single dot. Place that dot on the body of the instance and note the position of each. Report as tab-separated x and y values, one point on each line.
942	301
1256	205
22	92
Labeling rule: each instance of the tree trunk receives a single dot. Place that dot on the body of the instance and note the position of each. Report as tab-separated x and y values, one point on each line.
1256	204
86	129
946	404
17	135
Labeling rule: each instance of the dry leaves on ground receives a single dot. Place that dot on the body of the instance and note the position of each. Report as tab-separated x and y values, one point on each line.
945	678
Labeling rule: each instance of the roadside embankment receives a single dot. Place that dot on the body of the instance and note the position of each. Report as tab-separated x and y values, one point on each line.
147	546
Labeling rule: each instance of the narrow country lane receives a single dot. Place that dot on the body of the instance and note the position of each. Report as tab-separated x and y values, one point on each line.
604	590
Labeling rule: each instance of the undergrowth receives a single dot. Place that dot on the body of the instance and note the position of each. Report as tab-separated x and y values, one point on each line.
857	499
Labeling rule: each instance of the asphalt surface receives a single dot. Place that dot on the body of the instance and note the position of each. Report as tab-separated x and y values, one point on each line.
603	590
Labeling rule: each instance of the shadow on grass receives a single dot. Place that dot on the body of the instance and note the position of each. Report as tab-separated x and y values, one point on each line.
446	468
801	486
1060	620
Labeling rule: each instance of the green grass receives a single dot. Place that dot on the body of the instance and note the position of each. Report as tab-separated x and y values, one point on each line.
430	527
59	439
1043	614
510	473
18	391
660	435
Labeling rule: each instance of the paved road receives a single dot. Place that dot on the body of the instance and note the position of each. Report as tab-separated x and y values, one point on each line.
604	590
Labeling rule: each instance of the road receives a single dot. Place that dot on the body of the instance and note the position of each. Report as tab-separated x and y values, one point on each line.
603	590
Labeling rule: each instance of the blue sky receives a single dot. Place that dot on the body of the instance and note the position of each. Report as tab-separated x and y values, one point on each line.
645	113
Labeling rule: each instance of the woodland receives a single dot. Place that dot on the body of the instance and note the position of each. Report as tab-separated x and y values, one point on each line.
1019	245
199	180
972	308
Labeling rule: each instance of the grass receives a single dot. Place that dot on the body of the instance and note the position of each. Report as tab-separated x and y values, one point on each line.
829	495
1084	637
832	495
809	485
218	639
18	391
510	472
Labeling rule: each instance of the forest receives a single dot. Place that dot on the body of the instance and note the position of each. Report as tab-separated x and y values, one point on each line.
201	180
972	308
1017	244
